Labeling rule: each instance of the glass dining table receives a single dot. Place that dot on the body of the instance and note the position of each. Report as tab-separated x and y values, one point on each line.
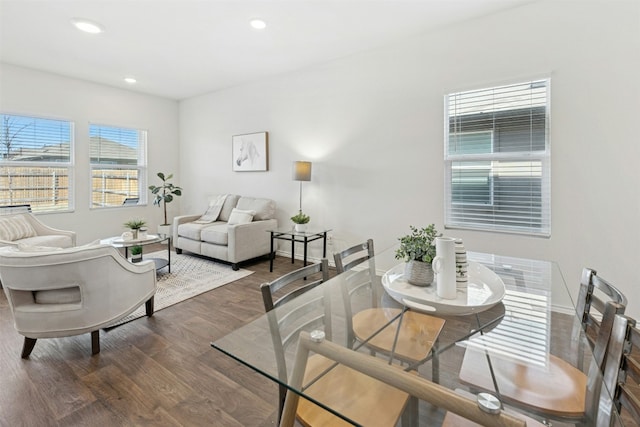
511	327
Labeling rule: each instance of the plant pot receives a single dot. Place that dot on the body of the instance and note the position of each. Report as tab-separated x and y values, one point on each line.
136	258
418	273
301	228
164	229
134	232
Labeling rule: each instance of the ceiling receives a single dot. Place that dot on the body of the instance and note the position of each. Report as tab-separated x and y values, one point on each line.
183	48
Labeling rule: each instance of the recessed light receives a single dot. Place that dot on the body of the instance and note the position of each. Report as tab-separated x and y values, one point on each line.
87	26
258	24
130	80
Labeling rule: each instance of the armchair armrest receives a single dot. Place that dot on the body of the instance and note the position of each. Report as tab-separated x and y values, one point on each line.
44	230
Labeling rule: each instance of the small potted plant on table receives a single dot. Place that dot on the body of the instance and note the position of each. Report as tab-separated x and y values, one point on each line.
417	250
136	253
134	225
300	220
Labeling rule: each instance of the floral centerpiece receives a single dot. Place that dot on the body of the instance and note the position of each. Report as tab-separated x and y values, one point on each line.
417	249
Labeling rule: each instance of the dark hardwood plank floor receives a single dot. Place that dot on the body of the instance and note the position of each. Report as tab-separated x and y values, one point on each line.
158	371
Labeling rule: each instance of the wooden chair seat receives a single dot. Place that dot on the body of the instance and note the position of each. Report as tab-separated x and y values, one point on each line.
556	389
416	337
359	397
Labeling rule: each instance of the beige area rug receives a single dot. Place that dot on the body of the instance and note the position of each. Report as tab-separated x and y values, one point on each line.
190	276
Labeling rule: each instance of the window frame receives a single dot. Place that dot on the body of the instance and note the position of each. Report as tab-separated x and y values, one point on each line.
535	157
69	165
141	167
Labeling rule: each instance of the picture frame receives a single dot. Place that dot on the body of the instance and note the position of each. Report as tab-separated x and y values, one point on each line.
250	152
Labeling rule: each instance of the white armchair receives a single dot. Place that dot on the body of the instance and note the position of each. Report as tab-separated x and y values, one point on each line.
19	226
73	291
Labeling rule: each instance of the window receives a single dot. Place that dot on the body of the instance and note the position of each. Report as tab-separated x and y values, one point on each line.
497	174
118	165
36	163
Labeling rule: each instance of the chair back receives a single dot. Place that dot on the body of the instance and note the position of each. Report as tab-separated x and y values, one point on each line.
312	311
622	372
350	257
595	314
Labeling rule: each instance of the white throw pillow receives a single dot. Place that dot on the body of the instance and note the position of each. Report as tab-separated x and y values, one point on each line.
15	228
239	216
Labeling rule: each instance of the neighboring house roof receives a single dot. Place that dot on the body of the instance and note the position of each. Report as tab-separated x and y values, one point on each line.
102	150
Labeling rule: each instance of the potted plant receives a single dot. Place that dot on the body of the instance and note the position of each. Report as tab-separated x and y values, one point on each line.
136	253
300	220
164	194
417	250
134	225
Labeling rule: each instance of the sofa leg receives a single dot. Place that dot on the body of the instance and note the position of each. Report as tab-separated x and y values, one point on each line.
95	342
27	347
178	251
235	267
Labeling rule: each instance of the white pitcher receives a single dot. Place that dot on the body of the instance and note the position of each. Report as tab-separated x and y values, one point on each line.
444	265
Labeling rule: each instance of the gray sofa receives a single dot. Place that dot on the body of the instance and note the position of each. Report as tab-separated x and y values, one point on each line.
238	232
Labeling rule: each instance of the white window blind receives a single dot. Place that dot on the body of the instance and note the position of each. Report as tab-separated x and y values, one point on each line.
36	163
118	166
497	174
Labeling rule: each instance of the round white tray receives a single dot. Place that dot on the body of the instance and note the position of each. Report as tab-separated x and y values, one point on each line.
484	290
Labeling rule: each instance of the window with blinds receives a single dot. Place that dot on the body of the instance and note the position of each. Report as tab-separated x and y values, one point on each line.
497	161
118	166
36	163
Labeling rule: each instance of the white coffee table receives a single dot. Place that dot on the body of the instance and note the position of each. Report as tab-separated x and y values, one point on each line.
119	242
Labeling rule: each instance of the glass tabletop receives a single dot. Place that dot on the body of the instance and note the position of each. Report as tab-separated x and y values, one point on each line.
534	326
290	231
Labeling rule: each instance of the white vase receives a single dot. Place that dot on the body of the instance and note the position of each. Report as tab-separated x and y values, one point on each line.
444	265
301	228
164	229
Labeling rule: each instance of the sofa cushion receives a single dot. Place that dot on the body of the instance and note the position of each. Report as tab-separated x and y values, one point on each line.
15	228
193	231
50	240
264	208
230	202
238	216
217	234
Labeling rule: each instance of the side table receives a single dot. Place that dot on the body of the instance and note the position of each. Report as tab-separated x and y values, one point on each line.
304	237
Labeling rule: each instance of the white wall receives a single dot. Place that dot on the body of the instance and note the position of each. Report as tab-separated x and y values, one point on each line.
29	92
373	126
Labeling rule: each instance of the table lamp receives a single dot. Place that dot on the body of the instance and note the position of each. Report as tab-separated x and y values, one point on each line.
301	172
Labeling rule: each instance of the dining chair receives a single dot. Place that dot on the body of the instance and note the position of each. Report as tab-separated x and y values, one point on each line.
377	369
622	372
358	396
409	338
550	386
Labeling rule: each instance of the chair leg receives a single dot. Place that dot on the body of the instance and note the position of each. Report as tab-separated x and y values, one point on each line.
149	307
282	395
27	347
95	342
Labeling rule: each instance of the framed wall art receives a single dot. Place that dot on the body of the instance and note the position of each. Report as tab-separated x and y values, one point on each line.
250	152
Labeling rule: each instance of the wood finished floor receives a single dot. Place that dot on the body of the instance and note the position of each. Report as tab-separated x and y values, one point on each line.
158	371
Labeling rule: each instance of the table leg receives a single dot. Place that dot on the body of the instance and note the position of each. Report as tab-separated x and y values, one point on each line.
324	245
271	254
305	251
293	245
169	254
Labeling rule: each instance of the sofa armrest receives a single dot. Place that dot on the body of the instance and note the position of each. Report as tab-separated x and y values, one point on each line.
182	219
250	240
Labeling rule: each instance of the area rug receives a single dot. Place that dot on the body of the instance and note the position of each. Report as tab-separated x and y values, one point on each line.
190	276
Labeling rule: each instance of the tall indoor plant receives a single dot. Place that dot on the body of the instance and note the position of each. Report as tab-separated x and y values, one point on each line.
164	194
417	250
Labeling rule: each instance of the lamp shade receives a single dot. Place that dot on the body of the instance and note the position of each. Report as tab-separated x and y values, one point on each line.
301	171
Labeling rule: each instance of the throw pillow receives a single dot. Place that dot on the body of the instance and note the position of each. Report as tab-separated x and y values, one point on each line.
239	216
213	211
15	228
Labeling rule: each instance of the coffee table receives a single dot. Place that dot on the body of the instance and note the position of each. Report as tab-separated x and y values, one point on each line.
118	242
